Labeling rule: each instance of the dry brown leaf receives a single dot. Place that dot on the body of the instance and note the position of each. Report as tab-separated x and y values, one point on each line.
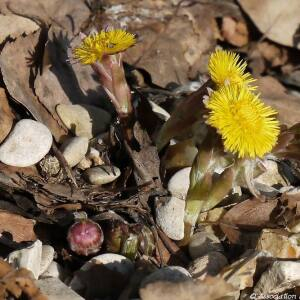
13	26
276	19
241	273
188	290
235	32
180	155
6	116
17	283
173	42
59	83
18	65
251	214
20	228
276	56
274	94
68	14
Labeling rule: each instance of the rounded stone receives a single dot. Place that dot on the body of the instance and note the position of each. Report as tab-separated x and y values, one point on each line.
94	156
170	217
209	264
47	257
170	274
102	174
74	149
84	120
28	258
54	270
84	164
202	243
178	184
113	262
27	144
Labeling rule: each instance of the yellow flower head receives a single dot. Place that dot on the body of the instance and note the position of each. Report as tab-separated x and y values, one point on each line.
246	124
109	42
226	68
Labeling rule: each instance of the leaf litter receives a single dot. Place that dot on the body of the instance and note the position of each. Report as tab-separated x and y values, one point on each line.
168	66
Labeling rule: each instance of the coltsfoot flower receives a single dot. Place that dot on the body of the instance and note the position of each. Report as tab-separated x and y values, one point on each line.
226	68
246	124
105	42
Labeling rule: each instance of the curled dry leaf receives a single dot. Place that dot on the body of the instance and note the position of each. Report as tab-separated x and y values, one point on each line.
251	214
188	290
17	283
13	26
6	116
19	227
19	63
276	19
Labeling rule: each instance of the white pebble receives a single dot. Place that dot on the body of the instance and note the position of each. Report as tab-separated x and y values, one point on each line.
178	184
170	274
202	243
29	258
27	144
102	174
112	261
74	149
170	217
83	120
47	257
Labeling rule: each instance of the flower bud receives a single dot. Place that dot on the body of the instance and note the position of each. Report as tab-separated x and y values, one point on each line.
85	237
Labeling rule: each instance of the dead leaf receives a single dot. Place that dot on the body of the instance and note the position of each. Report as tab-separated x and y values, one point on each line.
17	282
278	20
188	290
145	159
251	214
274	55
187	114
279	243
274	94
235	32
18	66
180	155
240	274
192	29
68	14
20	228
13	26
6	116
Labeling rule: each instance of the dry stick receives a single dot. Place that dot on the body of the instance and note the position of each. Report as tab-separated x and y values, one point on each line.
172	247
65	165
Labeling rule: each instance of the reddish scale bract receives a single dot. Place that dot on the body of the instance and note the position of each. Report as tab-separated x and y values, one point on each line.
85	237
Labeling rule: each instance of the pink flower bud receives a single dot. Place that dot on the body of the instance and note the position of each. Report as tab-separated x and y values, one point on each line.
85	237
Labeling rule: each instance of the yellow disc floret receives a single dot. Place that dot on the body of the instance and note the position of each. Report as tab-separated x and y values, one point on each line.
89	51
226	68
108	42
246	124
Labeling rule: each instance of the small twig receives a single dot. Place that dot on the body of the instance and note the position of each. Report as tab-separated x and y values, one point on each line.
172	247
65	166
